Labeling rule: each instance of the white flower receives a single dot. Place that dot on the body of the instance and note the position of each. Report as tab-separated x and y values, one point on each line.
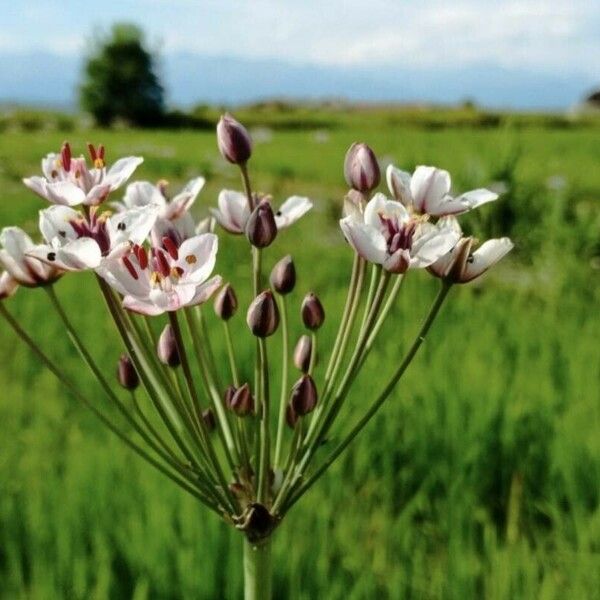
68	181
167	278
386	234
461	264
8	285
75	242
427	191
15	258
233	211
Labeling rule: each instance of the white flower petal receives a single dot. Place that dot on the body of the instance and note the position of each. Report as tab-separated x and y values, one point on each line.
399	185
233	213
379	205
97	194
476	198
428	186
291	210
133	225
64	192
54	223
431	246
80	254
114	272
142	193
197	257
8	285
38	185
366	240
50	165
206	290
121	171
485	257
141	307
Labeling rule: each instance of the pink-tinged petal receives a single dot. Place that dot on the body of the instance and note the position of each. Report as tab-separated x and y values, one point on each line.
234	210
476	198
97	195
206	290
197	257
14	257
205	226
54	223
121	171
173	299
142	193
428	187
379	205
16	268
37	185
399	185
51	165
291	210
441	266
225	222
431	246
141	307
64	192
80	254
116	274
398	262
133	225
15	241
367	241
8	285
485	257
184	200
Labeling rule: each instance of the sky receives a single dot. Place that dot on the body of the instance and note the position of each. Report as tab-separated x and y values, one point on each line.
553	37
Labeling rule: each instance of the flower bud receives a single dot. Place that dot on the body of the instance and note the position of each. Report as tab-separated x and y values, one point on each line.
283	275
261	228
304	395
208	416
263	315
361	169
242	402
291	417
167	351
233	139
8	285
313	313
126	373
228	395
302	353
226	303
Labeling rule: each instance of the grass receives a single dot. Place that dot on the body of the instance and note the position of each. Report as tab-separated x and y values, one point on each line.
479	478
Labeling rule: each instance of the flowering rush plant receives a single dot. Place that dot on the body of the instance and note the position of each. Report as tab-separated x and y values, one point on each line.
248	454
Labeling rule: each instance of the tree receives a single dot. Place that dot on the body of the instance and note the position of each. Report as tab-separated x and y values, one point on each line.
120	79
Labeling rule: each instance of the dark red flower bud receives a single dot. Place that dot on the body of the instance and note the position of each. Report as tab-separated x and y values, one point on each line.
291	417
167	351
302	353
263	315
283	275
304	395
261	228
361	169
313	313
233	140
208	416
226	302
228	394
126	373
242	402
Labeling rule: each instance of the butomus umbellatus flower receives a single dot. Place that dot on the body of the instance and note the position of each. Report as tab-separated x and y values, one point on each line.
76	241
68	181
387	234
165	278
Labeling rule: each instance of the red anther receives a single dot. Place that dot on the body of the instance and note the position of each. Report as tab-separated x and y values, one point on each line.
101	152
170	247
65	156
130	267
92	152
141	256
162	263
179	271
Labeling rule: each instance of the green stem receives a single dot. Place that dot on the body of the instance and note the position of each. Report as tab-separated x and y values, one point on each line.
313	353
420	338
231	354
264	454
257	570
284	380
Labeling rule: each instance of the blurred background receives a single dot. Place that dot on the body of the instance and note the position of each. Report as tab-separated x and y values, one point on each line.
481	476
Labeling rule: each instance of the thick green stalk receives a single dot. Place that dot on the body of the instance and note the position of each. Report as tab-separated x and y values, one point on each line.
257	570
420	338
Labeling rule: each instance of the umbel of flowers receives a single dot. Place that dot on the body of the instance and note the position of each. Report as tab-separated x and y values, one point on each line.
246	449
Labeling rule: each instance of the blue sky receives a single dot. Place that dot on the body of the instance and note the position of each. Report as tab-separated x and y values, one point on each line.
559	37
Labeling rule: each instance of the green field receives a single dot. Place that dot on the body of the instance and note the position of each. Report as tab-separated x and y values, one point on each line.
480	478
